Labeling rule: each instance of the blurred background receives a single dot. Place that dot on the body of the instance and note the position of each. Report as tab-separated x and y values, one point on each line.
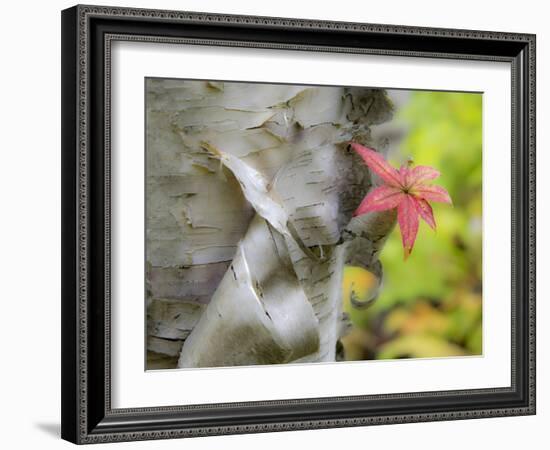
431	304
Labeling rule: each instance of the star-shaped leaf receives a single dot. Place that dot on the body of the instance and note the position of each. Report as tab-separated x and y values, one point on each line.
405	189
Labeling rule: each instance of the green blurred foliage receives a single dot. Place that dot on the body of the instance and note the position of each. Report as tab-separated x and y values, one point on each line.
430	305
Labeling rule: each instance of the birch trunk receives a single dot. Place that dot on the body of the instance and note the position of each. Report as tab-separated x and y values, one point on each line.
250	193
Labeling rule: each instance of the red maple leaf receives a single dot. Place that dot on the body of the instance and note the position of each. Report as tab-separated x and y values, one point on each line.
404	189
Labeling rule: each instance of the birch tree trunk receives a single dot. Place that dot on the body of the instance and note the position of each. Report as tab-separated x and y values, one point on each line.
250	195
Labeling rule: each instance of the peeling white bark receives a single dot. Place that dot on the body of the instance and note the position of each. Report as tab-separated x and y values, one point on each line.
259	313
250	191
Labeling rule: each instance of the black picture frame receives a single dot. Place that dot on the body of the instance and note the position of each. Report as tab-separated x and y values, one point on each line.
87	33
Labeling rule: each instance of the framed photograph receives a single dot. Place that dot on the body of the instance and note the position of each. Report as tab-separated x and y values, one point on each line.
282	224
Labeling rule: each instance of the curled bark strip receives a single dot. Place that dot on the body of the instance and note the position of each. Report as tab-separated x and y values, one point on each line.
256	189
259	313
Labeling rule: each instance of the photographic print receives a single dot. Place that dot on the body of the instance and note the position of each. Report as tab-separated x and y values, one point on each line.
306	224
335	202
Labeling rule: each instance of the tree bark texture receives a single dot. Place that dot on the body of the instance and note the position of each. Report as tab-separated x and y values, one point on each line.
250	194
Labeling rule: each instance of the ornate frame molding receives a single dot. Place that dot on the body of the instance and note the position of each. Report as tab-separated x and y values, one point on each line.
86	422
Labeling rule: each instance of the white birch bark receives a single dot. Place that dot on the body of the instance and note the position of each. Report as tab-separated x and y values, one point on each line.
250	191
